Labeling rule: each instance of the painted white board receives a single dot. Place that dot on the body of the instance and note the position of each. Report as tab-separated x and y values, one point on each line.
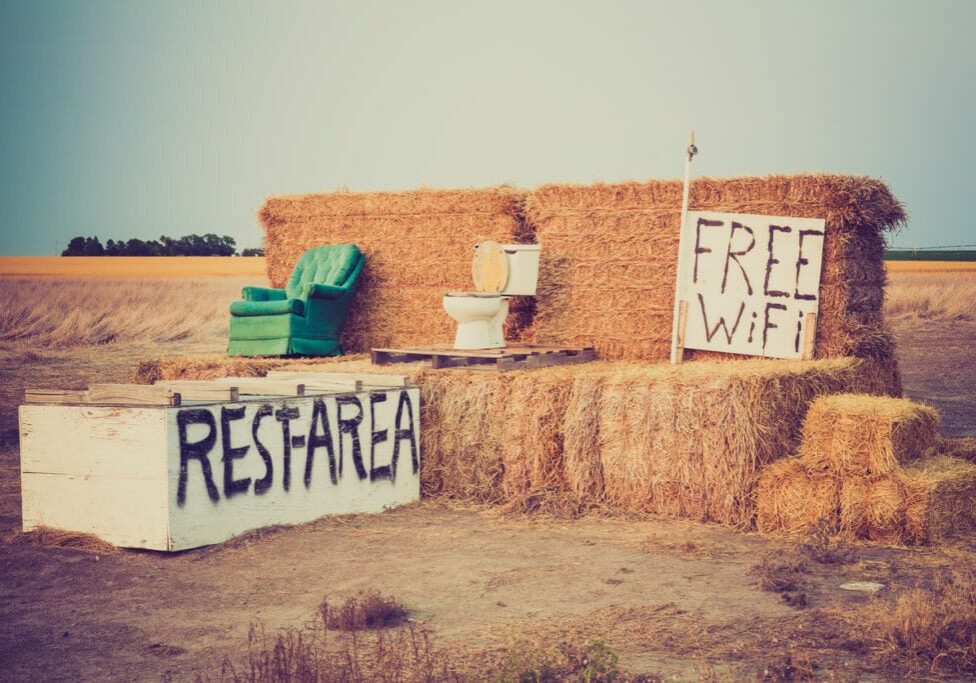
749	281
172	478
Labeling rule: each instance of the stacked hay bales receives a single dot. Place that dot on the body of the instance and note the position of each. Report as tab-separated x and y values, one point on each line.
609	258
417	246
684	441
870	467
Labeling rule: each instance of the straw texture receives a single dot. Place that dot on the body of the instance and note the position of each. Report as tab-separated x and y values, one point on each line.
850	434
418	246
791	499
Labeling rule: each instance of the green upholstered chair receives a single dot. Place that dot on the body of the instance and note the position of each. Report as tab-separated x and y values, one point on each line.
307	316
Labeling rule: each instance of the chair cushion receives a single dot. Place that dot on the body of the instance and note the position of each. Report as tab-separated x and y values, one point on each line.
267	307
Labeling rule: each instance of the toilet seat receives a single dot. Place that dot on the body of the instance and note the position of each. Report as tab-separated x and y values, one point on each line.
489	267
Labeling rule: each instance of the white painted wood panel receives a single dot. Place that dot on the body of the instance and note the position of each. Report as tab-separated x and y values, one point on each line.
171	478
749	282
93	441
126	512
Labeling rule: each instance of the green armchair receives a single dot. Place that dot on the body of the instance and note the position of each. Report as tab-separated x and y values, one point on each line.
307	316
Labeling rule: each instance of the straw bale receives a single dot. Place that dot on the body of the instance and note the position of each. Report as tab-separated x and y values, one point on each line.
855	434
874	508
940	498
690	440
925	502
791	499
417	246
609	258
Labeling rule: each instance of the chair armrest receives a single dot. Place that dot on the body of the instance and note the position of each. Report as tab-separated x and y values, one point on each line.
318	290
262	294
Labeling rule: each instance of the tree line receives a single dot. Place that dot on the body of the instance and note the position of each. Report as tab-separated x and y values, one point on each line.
188	245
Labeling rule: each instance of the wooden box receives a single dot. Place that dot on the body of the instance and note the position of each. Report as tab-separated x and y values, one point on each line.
178	477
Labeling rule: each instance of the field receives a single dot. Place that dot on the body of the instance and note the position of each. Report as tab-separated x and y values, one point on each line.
495	594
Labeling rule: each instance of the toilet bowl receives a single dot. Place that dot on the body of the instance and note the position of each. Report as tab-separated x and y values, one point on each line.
499	271
480	319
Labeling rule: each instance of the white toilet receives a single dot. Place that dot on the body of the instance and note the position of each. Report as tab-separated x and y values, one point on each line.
499	271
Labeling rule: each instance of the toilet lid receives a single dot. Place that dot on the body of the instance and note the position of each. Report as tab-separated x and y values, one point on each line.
489	268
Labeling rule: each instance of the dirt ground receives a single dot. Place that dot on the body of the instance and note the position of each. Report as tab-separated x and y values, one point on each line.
671	598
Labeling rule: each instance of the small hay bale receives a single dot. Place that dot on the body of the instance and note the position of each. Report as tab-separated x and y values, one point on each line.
874	508
858	435
925	502
791	499
940	498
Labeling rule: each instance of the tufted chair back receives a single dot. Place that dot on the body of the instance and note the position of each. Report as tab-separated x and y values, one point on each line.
329	265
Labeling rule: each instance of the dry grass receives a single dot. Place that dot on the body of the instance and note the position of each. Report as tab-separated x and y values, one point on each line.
368	610
411	654
931	296
60	313
56	538
930	630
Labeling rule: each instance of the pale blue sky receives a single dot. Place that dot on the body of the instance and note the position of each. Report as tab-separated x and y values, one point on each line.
131	119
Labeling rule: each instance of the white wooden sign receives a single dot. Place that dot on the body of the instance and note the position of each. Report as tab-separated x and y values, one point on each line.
747	284
171	478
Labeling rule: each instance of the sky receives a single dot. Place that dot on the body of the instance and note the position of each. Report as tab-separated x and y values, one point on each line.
137	119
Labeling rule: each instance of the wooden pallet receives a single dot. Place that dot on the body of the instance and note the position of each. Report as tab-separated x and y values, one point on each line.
515	357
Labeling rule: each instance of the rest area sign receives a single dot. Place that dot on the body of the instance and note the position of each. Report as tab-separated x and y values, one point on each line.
748	284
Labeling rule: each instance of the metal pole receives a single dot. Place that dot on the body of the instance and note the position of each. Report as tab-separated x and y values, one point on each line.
691	152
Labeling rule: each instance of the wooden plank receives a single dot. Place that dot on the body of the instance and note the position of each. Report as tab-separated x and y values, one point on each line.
259	386
809	336
371	378
679	347
201	390
55	396
133	395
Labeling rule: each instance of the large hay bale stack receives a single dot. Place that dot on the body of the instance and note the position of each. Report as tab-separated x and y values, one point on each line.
853	434
417	245
609	258
685	441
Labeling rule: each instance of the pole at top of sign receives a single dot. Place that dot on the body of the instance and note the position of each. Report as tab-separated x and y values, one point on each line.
677	326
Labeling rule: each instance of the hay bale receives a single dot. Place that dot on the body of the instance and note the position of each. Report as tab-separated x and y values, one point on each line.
417	246
791	499
874	508
609	258
854	434
940	497
927	501
690	440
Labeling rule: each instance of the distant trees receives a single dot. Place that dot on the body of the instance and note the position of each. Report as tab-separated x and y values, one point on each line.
188	245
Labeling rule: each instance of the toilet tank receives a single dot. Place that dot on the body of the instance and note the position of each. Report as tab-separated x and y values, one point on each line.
523	268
